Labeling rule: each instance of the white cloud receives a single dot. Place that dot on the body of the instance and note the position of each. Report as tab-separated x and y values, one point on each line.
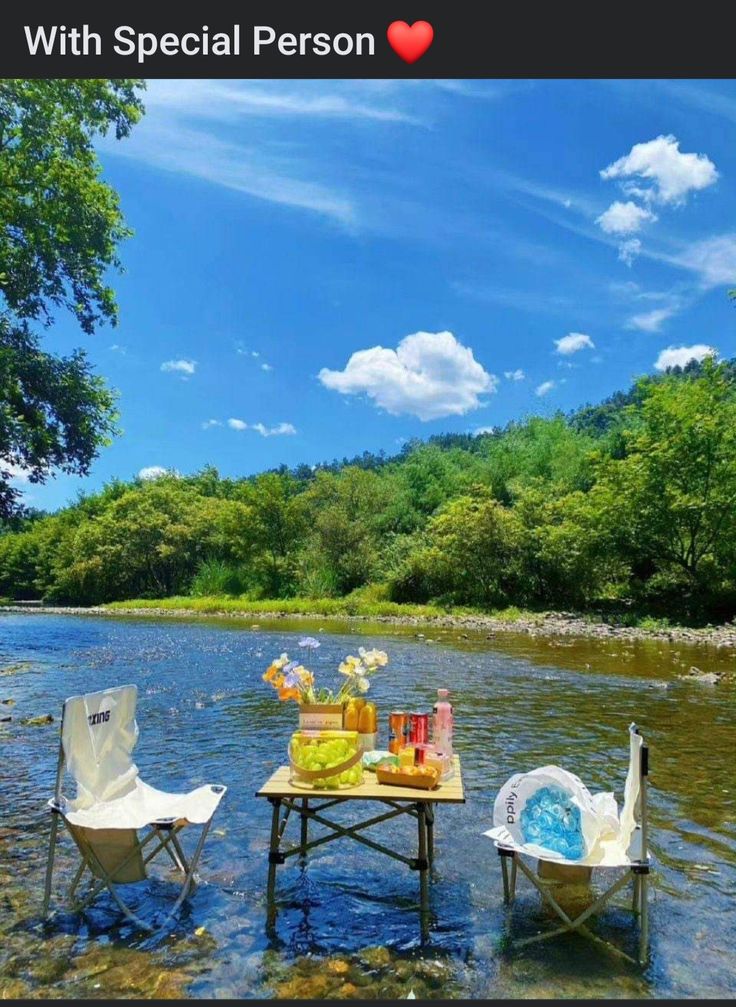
671	174
117	348
628	250
624	218
651	321
679	356
544	388
428	375
484	430
17	473
280	430
184	367
573	343
266	367
517	375
714	259
154	472
208	424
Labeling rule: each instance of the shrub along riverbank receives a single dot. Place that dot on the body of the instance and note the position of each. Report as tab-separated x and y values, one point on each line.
626	509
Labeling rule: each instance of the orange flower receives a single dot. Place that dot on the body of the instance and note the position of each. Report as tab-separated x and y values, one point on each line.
271	673
285	694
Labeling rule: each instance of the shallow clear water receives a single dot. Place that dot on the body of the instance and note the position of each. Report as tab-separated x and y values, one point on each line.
347	923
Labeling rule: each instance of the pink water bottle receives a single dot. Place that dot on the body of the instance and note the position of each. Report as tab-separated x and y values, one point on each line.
442	723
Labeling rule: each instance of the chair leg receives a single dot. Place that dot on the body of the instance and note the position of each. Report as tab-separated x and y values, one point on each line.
189	879
75	880
643	919
50	864
504	875
512	884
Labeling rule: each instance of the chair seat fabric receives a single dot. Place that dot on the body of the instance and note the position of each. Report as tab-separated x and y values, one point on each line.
611	851
144	805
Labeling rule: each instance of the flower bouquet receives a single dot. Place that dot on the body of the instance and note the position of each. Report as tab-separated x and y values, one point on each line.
322	707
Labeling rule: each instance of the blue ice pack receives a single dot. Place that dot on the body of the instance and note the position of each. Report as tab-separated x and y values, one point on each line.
551	819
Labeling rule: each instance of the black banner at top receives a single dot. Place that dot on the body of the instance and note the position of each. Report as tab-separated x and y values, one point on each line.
395	39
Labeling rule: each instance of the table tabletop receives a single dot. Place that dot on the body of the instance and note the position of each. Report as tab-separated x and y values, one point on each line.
448	792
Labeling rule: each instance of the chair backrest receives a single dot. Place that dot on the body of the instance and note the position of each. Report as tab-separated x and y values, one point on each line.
633	786
98	735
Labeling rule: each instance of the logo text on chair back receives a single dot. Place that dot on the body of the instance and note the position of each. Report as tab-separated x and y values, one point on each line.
98	718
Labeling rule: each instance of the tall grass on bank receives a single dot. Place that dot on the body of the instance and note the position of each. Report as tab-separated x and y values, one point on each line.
290	606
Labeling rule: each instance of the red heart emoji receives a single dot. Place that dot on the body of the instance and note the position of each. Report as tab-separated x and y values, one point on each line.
410	42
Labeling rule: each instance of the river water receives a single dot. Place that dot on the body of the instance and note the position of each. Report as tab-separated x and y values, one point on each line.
347	923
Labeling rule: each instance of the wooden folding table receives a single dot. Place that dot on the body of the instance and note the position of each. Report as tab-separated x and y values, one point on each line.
310	805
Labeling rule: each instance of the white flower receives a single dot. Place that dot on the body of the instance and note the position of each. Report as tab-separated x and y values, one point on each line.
363	684
374	658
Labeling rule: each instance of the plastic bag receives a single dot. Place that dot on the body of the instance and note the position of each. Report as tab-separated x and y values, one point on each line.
553	814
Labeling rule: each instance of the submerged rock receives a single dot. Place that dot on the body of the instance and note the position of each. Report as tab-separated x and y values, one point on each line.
704	677
45	718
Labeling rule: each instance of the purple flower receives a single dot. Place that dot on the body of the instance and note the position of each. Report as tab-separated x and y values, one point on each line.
309	642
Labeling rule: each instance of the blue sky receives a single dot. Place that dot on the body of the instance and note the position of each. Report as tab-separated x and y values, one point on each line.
323	267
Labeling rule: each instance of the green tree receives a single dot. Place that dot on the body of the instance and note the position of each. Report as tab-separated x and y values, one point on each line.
60	226
674	493
470	554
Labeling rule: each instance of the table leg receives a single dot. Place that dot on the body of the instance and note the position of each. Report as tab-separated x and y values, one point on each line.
423	866
430	832
305	827
273	855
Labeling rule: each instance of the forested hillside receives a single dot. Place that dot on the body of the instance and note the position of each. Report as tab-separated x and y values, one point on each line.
629	503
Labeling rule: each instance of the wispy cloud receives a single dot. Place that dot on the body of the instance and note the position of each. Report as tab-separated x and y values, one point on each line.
517	375
651	321
230	133
279	430
236	166
544	389
223	99
713	259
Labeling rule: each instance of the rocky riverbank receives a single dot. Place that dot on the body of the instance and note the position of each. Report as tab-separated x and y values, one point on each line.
538	624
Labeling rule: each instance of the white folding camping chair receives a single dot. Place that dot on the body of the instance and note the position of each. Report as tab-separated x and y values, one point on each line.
98	735
625	848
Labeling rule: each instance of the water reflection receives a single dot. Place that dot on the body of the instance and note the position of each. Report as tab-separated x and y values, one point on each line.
347	923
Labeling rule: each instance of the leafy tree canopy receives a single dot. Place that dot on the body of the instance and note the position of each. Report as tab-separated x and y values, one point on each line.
60	226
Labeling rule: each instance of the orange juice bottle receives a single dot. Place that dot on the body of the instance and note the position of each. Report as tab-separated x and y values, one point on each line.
350	717
368	719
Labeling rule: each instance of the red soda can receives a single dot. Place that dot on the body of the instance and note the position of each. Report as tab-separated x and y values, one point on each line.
398	723
418	728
